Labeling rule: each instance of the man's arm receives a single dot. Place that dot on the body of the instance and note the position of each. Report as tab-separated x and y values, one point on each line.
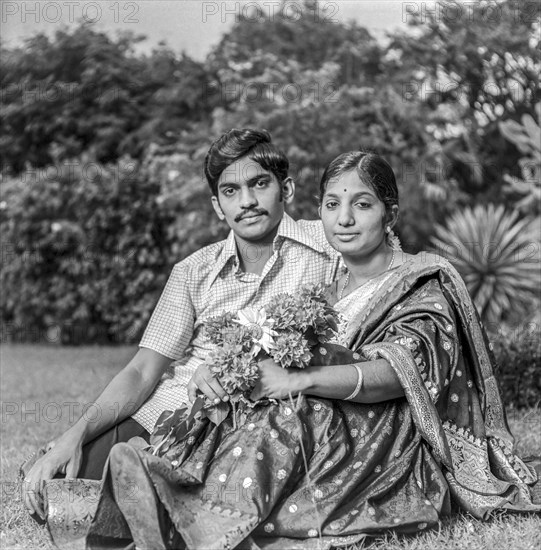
126	392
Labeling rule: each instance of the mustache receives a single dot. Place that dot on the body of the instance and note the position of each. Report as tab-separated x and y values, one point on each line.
247	213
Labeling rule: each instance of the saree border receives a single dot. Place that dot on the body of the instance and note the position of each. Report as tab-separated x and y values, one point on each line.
423	411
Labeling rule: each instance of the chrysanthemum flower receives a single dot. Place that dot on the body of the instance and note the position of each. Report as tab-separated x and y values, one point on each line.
291	350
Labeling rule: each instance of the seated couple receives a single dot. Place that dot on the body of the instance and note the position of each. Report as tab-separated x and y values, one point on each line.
394	441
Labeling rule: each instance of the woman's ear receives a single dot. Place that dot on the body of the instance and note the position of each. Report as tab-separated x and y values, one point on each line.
319	210
288	190
392	216
217	207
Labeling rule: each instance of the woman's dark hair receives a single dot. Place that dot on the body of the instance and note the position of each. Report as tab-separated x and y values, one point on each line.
237	143
372	170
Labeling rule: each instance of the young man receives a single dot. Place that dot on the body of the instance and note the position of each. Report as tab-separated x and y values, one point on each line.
265	253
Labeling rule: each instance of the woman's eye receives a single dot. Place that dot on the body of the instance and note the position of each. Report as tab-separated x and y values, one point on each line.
331	205
364	204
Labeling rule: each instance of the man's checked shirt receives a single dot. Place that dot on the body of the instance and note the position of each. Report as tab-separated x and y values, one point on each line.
209	282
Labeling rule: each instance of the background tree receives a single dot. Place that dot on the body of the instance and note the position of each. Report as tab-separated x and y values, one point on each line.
472	66
82	91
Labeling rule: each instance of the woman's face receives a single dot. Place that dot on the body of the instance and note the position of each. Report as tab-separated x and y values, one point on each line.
353	217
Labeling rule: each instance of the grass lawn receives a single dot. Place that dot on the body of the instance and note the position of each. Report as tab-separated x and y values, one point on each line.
44	389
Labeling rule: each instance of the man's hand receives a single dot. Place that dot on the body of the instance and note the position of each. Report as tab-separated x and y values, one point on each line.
204	382
63	455
278	383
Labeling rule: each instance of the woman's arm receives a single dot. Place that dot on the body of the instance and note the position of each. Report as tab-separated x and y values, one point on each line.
380	382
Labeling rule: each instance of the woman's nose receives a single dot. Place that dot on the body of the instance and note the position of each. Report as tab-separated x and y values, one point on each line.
345	216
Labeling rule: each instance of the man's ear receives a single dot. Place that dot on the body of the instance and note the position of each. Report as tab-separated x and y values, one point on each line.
288	190
217	207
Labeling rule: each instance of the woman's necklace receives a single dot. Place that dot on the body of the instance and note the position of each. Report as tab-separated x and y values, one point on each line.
346	281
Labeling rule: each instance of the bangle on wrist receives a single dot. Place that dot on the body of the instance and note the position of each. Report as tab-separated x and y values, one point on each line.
358	386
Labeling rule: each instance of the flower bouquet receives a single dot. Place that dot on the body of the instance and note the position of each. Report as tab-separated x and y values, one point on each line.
288	329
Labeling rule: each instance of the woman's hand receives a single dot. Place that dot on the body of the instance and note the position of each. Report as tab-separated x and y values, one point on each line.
278	383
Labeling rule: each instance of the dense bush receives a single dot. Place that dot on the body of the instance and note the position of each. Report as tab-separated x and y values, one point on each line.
518	360
88	247
84	252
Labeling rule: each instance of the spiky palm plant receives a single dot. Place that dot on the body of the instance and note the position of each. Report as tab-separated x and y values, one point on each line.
497	255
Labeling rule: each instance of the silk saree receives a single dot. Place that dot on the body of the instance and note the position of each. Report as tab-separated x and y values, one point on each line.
319	473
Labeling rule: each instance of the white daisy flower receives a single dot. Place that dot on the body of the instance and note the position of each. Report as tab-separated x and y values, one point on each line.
260	327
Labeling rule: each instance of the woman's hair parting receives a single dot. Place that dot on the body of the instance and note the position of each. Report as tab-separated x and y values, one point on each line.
237	143
372	170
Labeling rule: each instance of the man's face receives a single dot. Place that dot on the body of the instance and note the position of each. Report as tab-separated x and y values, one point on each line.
251	200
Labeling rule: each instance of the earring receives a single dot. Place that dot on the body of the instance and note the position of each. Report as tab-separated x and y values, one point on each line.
388	229
392	239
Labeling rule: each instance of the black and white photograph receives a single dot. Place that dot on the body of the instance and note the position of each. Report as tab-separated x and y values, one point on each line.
270	275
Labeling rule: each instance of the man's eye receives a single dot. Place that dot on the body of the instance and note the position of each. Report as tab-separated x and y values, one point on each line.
228	191
261	183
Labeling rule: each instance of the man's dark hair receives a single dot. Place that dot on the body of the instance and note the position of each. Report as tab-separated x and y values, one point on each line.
240	142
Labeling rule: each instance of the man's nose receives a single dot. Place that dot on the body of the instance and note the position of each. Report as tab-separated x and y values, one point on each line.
248	198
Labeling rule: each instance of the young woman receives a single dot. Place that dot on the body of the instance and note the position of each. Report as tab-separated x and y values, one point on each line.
404	428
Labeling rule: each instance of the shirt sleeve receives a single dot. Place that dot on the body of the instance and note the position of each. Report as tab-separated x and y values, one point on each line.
171	325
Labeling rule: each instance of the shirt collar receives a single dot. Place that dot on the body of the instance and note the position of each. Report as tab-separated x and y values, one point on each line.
288	229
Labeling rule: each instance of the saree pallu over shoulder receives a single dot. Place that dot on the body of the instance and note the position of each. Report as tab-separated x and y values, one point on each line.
422	410
424	323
